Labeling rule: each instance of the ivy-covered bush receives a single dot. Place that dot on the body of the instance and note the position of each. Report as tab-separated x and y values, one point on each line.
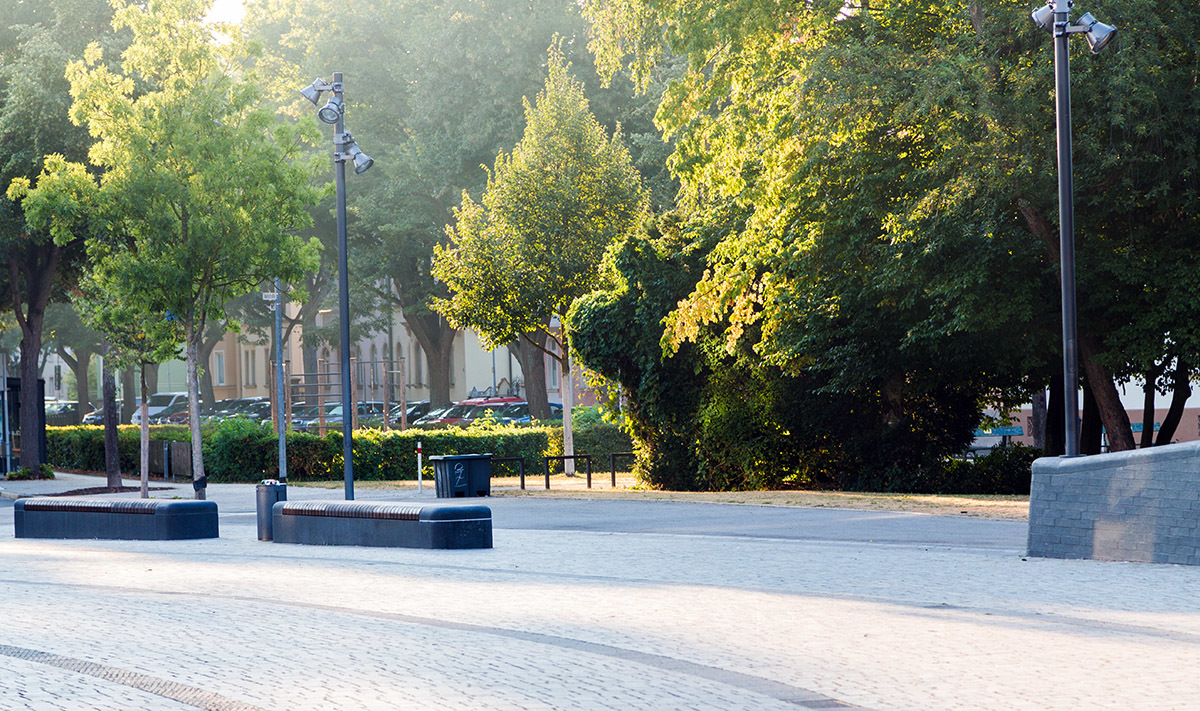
593	435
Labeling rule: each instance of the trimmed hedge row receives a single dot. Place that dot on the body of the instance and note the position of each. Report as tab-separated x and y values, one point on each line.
1004	470
243	451
82	446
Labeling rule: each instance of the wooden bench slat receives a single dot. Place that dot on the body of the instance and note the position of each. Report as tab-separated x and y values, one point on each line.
352	509
125	506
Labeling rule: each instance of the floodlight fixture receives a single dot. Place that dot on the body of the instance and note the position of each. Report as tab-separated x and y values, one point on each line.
332	110
1098	34
1043	17
362	161
312	92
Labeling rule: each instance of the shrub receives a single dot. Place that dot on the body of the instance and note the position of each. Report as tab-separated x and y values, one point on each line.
44	471
593	436
1004	470
239	450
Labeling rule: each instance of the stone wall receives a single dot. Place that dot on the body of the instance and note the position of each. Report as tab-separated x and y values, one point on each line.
1142	505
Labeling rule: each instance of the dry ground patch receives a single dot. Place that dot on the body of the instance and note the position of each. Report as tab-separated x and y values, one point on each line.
1002	507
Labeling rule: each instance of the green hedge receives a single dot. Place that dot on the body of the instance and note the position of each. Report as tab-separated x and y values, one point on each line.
82	446
239	450
1004	470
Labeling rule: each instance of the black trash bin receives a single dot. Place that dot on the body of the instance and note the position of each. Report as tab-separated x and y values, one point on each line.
268	492
458	475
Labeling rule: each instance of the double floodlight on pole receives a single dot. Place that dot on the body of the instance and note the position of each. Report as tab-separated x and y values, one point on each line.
1056	19
345	149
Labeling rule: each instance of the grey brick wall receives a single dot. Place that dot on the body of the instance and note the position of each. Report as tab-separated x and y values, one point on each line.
1142	506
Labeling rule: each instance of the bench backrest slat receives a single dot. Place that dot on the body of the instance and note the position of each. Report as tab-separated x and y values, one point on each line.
352	509
123	506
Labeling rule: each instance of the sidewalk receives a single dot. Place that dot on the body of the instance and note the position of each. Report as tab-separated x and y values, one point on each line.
588	619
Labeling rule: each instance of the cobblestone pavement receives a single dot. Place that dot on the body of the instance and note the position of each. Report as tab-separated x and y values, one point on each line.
559	619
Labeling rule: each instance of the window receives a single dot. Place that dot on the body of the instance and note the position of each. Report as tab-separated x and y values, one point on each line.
218	375
552	371
250	374
418	365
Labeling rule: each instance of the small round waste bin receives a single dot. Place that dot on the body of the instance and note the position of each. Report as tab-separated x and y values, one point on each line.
268	492
461	475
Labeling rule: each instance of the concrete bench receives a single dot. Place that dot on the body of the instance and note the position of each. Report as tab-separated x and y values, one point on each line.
366	523
125	519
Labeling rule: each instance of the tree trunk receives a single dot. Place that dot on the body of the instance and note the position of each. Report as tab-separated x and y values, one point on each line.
112	456
150	374
532	359
1179	396
129	402
34	266
436	339
1037	420
199	482
1108	401
1091	431
79	362
32	406
1147	438
204	351
312	393
1056	418
567	389
144	464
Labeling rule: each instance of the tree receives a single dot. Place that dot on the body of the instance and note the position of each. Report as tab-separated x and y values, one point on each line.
896	159
135	338
76	343
519	259
34	103
437	88
201	192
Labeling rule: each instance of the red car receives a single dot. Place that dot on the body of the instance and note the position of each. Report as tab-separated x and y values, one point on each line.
464	412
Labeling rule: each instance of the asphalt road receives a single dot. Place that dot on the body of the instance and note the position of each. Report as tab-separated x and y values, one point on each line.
673	517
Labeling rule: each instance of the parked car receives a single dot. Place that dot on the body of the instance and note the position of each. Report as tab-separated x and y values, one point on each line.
96	417
231	407
466	411
520	413
61	414
164	417
433	414
156	404
258	411
334	416
415	411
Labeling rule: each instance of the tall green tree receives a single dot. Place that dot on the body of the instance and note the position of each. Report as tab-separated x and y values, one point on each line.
201	192
518	259
37	40
436	89
897	162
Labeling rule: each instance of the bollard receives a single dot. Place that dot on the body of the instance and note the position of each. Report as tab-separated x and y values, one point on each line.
269	491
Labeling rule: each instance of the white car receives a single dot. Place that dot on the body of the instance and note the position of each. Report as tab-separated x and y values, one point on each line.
156	404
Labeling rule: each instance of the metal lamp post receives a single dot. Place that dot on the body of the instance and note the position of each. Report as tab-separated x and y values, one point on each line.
280	384
1056	18
344	150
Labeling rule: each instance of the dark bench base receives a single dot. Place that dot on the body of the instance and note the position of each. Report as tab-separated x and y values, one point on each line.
362	523
123	519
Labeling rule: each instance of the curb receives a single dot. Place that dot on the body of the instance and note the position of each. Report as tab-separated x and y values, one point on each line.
9	495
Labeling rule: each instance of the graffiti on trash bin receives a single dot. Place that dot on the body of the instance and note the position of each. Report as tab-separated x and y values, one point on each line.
459	482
